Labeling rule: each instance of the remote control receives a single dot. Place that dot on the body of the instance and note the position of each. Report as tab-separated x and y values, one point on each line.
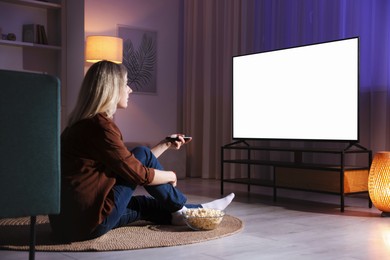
173	139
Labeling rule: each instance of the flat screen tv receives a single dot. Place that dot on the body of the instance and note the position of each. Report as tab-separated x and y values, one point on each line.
301	93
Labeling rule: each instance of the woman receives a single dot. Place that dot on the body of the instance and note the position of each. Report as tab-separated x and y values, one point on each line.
99	174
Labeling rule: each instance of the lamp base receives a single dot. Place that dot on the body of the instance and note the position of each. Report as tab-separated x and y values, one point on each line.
385	214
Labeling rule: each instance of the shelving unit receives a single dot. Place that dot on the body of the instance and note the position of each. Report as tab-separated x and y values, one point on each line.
338	166
28	44
35	3
26	56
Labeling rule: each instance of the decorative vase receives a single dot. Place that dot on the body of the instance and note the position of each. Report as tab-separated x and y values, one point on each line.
379	182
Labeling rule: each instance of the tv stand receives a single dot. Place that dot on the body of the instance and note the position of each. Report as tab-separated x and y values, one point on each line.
337	174
352	144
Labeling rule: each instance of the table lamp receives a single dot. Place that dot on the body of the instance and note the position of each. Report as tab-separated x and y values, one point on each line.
99	48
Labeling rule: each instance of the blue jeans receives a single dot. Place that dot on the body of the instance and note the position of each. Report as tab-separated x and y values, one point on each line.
156	208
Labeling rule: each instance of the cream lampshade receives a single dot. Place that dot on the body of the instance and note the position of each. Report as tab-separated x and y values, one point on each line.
379	182
104	48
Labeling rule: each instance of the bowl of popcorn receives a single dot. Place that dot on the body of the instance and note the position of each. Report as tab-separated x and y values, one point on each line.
203	219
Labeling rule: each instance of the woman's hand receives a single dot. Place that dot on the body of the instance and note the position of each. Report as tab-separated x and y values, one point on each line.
180	140
165	144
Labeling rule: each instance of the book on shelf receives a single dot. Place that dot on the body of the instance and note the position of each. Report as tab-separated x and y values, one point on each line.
34	33
42	37
29	34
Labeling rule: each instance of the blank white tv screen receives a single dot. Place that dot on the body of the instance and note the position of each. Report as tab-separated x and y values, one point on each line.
302	93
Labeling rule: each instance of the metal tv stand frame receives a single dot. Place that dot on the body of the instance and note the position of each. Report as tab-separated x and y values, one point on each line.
297	163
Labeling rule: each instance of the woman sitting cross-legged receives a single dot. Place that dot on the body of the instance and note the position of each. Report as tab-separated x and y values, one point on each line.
99	174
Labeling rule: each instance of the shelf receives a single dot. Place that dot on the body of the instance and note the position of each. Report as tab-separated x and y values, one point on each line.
258	182
33	3
29	71
266	183
294	149
29	44
32	56
294	165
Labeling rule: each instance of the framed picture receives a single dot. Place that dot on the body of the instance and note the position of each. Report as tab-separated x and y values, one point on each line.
140	58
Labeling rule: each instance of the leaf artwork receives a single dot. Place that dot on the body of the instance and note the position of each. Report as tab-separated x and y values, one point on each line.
139	63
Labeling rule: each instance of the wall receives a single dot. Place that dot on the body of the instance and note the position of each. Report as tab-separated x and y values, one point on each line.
148	118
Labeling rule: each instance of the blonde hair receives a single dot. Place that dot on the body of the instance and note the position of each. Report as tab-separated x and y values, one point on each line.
100	91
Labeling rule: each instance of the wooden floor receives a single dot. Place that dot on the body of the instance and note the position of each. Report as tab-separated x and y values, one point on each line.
300	225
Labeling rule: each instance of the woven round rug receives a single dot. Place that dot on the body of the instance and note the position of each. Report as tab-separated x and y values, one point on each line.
15	233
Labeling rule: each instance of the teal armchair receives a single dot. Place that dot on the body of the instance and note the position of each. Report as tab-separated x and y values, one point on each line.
29	146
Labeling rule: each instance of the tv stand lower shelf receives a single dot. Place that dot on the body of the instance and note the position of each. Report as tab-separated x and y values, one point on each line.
355	181
338	179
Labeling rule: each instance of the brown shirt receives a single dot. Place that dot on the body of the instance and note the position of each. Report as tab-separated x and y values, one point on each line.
93	156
